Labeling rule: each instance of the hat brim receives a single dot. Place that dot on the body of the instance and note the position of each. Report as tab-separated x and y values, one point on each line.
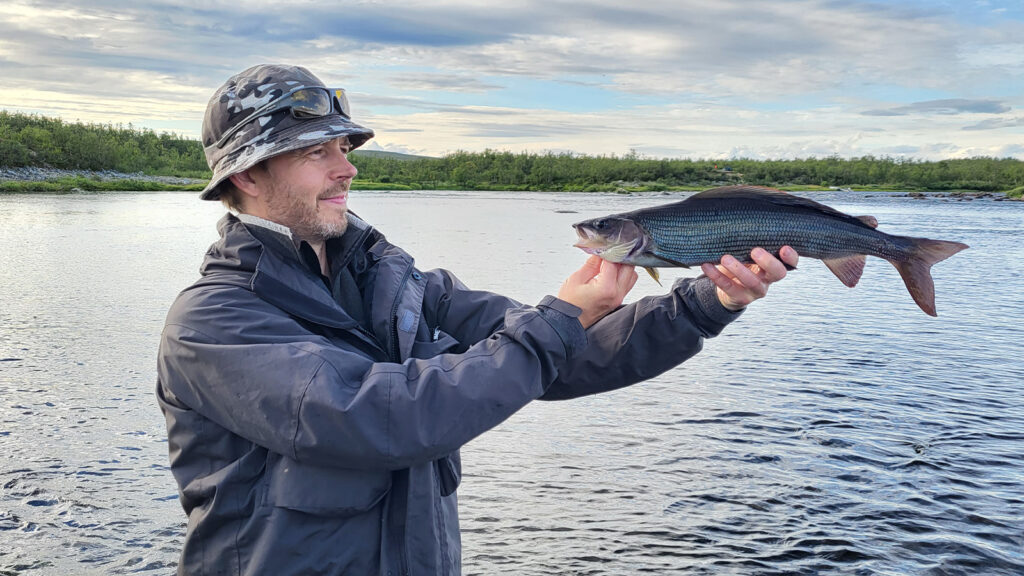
303	134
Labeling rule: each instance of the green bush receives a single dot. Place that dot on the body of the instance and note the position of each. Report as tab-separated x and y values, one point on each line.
32	140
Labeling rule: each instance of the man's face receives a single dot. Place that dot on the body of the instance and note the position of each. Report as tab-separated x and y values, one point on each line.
307	189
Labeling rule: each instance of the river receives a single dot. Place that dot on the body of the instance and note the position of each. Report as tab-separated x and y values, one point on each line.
828	431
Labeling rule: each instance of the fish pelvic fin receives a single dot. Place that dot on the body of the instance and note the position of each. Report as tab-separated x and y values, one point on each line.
654	273
848	268
916	269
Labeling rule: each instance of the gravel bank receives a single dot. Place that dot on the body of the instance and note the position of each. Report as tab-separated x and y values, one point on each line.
35	174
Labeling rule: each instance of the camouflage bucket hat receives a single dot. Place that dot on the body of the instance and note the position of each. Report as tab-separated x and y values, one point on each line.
236	136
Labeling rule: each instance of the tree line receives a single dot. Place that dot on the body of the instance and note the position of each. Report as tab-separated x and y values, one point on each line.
33	140
529	171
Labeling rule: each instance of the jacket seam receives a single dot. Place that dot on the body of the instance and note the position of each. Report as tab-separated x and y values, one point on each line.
440	524
298	409
387	422
238	527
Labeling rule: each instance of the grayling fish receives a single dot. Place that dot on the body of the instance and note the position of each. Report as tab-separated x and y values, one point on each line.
736	219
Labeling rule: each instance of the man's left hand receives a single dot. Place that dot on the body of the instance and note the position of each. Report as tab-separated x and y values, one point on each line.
740	284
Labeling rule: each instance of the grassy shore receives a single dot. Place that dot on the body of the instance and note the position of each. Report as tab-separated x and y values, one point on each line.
143	184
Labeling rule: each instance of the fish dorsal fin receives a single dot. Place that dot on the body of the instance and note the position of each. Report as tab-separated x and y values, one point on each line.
777	197
848	269
739	191
869	220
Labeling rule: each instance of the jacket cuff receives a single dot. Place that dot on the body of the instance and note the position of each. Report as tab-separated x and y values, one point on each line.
711	316
564	318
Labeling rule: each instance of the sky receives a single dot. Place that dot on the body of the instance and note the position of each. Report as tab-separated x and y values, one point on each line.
921	79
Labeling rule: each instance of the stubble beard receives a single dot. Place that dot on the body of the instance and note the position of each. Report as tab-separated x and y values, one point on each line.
306	220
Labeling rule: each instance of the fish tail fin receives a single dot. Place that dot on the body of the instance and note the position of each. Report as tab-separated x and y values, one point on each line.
916	269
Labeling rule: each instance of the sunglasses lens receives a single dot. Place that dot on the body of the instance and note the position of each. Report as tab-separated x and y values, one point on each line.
342	100
312	103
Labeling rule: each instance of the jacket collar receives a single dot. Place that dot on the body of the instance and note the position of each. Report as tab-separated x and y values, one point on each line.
267	258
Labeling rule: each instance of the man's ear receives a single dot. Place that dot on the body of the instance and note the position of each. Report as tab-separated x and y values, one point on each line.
244	182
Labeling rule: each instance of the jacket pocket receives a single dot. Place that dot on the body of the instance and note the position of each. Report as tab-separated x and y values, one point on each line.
324	491
449	473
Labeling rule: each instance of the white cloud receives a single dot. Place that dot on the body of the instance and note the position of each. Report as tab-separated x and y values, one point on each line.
689	77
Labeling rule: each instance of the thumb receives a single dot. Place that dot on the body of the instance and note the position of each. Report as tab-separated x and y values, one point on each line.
589	269
607	266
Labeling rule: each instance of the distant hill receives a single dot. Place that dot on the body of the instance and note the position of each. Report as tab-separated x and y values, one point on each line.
385	154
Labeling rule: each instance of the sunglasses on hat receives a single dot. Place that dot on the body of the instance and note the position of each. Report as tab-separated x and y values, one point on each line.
312	102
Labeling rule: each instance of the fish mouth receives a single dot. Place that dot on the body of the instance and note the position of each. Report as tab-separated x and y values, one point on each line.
588	241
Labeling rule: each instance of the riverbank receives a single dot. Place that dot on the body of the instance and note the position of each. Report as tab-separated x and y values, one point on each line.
34	179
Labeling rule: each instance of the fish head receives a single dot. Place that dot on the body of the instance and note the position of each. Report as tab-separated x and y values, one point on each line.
613	238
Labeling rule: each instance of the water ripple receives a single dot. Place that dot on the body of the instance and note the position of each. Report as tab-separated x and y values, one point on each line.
829	431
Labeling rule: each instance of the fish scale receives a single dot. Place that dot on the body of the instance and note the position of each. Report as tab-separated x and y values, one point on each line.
736	219
693	239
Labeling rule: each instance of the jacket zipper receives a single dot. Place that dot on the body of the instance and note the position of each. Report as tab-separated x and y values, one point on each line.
396	357
395	352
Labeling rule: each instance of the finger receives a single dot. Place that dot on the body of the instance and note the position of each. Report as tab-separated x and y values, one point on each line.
607	278
743	275
718	276
624	271
789	256
609	271
771	268
633	280
627	277
718	268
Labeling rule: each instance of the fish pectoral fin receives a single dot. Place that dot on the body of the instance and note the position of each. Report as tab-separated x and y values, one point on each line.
848	268
654	273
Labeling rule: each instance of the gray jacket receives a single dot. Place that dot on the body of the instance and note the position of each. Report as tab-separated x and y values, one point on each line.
306	439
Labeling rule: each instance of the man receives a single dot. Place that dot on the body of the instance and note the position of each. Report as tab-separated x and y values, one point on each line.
317	386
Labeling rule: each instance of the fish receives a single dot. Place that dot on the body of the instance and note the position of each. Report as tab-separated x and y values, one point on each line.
736	219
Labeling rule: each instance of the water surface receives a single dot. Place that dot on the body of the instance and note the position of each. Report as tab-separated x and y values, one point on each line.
829	430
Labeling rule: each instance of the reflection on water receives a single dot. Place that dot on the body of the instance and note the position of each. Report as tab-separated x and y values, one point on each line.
828	431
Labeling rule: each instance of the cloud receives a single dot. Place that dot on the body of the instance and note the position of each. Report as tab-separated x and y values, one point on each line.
996	123
790	78
445	82
947	106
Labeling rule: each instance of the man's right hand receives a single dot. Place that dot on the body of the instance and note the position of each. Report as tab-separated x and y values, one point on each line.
597	288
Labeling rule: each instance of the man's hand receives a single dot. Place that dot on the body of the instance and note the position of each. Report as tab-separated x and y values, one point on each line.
597	288
740	284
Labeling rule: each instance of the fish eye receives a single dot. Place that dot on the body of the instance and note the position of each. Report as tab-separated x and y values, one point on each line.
600	224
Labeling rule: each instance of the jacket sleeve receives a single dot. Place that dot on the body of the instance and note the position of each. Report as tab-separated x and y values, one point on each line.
468	315
257	372
643	339
632	344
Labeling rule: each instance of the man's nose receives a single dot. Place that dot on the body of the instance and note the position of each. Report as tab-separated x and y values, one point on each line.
341	167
